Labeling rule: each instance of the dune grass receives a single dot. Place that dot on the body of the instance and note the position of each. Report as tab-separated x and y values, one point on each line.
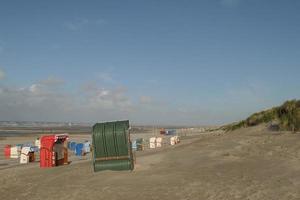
287	116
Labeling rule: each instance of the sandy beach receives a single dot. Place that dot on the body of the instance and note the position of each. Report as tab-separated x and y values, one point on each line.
245	164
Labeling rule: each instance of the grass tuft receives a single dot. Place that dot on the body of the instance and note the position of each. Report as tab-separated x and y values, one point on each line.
288	116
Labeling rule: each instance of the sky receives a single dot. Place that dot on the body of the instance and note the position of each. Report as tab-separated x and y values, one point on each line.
153	62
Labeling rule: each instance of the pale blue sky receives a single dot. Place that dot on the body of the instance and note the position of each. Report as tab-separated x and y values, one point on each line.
166	62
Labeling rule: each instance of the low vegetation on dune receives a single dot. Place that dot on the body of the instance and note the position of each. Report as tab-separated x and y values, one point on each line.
285	117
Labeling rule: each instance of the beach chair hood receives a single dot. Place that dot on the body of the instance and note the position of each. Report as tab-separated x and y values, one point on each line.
112	146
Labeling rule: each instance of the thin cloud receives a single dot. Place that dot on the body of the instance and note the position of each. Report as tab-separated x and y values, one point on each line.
1	46
79	24
49	100
52	81
110	99
43	101
145	99
105	77
2	74
76	25
100	21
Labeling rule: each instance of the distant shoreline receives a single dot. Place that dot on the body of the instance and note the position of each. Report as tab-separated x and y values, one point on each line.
36	131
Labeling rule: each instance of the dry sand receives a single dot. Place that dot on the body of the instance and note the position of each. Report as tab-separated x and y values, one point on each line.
249	164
